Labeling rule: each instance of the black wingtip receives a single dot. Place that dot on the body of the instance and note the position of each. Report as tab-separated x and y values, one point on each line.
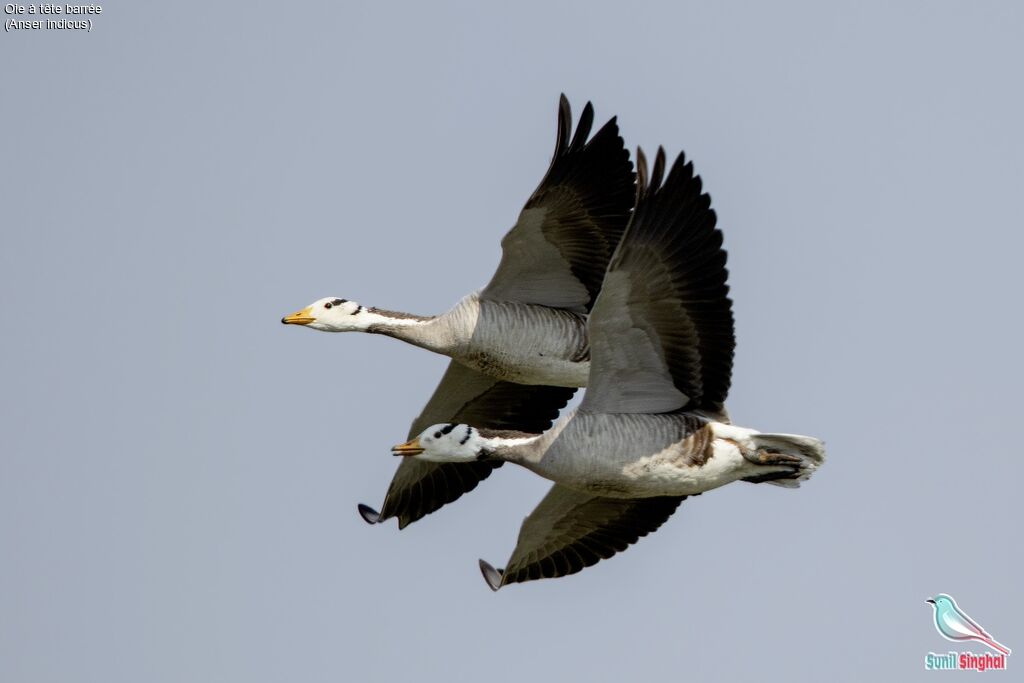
641	172
583	127
369	515
658	174
649	183
564	125
492	576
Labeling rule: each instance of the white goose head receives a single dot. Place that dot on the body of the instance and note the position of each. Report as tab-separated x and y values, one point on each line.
332	315
444	443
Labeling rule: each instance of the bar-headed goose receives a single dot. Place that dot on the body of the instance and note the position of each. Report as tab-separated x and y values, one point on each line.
645	436
519	345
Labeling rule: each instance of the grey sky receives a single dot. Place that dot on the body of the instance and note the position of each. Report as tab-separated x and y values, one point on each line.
179	472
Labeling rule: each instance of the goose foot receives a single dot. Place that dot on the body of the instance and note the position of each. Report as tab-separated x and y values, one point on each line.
766	457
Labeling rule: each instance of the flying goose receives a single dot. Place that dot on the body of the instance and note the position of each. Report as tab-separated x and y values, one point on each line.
645	436
519	345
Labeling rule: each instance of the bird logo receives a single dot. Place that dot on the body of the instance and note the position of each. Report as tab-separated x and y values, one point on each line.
953	623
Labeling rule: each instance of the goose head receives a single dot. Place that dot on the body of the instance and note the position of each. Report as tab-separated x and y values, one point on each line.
331	315
444	443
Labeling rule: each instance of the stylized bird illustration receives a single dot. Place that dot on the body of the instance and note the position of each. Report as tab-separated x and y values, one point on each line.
953	623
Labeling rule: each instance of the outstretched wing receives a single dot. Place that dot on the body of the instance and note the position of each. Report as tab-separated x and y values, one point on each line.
661	331
464	396
557	252
570	530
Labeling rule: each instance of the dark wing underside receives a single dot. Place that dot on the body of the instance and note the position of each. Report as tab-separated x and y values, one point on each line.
557	252
470	397
661	332
570	530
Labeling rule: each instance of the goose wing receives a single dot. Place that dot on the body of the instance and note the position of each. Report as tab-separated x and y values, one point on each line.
661	331
464	396
570	530
557	252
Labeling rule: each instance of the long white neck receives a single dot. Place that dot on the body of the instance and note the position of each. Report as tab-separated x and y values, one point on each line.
425	332
515	447
528	450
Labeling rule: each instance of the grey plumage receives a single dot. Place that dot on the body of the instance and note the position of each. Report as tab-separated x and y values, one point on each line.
528	325
557	252
651	429
662	332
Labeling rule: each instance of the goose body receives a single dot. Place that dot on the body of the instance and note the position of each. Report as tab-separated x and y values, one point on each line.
506	340
629	455
636	455
518	345
651	429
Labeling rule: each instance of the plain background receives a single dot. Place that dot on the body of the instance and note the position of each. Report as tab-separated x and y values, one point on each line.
179	471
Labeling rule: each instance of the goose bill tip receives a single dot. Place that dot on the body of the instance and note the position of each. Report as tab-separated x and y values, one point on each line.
303	317
409	448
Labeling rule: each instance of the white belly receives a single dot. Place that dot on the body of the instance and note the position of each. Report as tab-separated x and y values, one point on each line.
669	474
535	369
520	343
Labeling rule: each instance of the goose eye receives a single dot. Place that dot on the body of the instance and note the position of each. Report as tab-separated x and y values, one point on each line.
437	435
328	304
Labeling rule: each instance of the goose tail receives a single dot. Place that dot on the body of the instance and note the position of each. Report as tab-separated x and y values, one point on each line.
801	454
